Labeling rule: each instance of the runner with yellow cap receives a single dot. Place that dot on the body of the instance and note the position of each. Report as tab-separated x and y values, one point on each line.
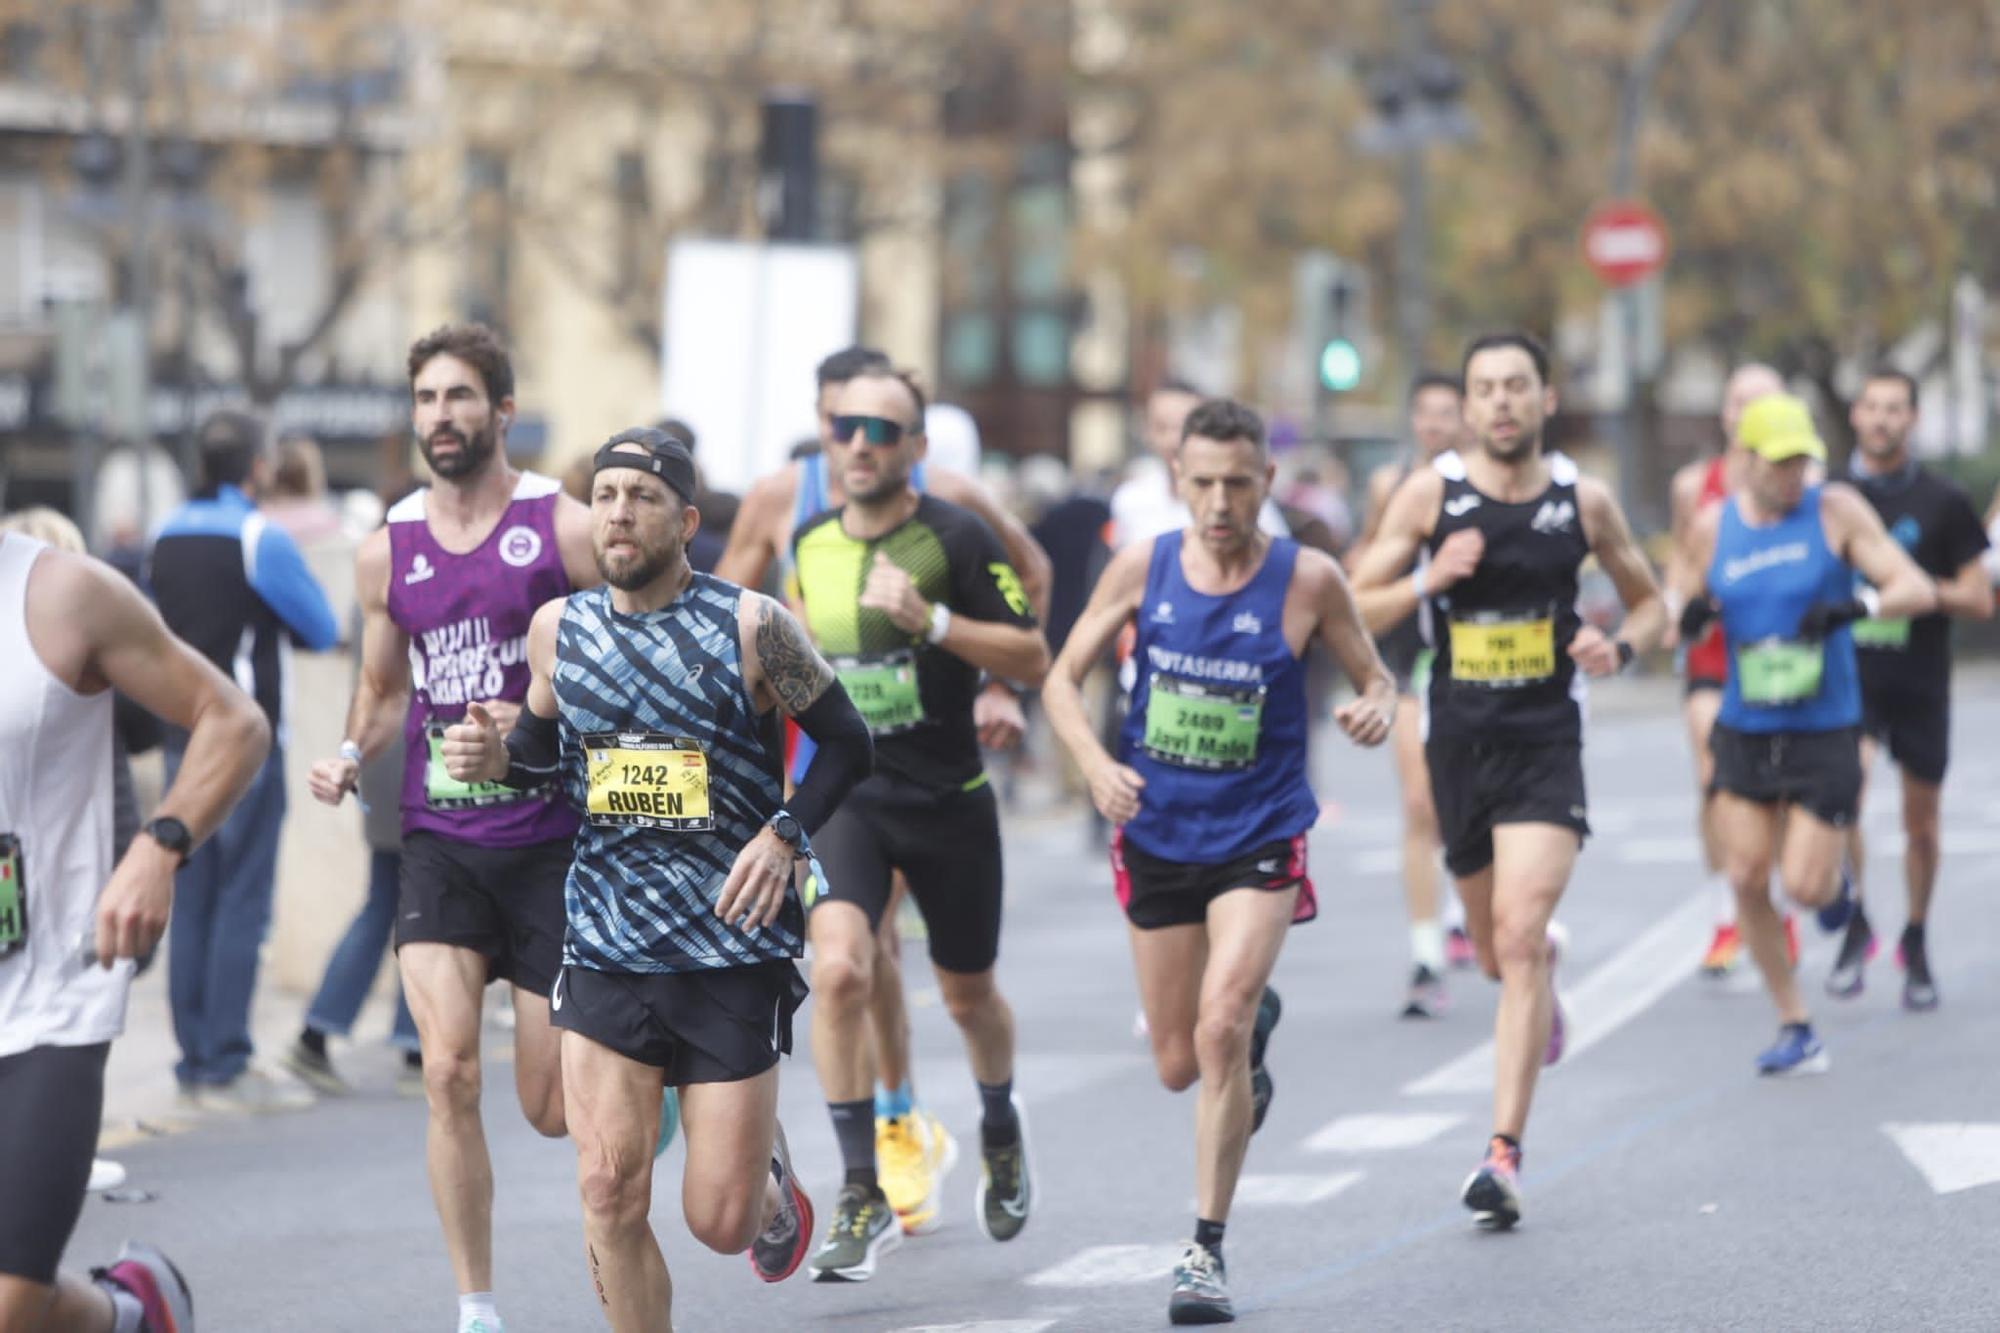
1776	564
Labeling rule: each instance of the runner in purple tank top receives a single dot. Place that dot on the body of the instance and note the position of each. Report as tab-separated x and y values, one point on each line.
447	591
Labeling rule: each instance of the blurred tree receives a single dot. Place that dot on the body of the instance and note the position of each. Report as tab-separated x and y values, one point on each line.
237	101
1826	167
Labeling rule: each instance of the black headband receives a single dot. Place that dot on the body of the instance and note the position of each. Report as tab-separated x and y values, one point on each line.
665	457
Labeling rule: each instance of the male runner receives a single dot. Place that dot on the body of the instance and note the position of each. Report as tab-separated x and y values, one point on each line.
659	699
72	630
1697	488
914	599
1776	564
1437	417
447	589
1506	526
913	1148
1210	788
1906	665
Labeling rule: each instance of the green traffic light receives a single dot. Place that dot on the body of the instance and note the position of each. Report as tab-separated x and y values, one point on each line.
1340	365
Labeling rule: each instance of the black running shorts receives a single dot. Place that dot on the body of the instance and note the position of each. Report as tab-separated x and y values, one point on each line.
1477	785
1156	892
1818	771
51	1103
947	844
1914	726
504	903
707	1025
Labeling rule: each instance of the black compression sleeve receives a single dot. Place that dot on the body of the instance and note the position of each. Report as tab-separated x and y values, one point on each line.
845	755
534	750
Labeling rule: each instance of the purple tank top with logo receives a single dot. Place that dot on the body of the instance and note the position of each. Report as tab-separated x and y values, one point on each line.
467	617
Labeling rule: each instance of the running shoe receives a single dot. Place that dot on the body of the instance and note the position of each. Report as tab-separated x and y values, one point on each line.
1720	960
670	1121
166	1304
315	1068
940	1148
781	1247
1269	1010
1920	994
1493	1192
1201	1289
1006	1190
1458	951
1797	1051
1850	970
1833	917
903	1158
255	1092
863	1229
1427	997
1792	940
1558	1025
105	1174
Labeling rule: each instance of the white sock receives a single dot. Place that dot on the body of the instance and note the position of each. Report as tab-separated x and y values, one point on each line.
1454	910
1427	944
1725	900
477	1305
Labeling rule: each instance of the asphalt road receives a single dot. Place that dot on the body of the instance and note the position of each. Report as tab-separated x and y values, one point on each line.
1667	1187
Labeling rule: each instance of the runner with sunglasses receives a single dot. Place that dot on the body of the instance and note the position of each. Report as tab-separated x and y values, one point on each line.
912	598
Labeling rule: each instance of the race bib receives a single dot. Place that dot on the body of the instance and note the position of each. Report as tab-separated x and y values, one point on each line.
646	780
13	897
1195	725
442	791
1503	651
884	690
1889	634
1775	672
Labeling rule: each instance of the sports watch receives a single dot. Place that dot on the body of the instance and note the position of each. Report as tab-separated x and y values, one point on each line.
789	831
171	834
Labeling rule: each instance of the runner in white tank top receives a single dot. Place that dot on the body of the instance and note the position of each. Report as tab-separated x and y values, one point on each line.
72	629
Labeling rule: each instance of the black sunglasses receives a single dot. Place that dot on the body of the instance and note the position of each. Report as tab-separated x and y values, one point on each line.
877	430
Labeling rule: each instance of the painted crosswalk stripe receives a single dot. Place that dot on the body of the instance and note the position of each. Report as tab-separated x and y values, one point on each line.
1619	990
1109	1265
1952	1157
1290	1191
993	1325
1382	1132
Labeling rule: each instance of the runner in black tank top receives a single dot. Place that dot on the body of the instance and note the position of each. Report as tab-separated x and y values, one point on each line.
1506	528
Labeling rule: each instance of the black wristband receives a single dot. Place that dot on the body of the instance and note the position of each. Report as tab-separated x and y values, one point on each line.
1626	653
534	751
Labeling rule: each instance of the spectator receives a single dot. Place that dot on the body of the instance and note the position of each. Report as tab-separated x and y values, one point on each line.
235	587
296	498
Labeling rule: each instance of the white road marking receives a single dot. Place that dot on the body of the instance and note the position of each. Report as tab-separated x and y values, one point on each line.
1290	1191
1952	1157
993	1325
1382	1132
1109	1265
1621	988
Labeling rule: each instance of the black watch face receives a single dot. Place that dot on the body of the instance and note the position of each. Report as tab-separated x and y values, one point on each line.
170	833
787	828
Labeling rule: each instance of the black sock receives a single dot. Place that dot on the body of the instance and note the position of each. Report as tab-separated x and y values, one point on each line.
313	1040
1208	1235
1913	933
854	1128
999	1127
1511	1142
413	1059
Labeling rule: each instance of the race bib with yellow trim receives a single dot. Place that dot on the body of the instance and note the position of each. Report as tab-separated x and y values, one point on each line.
646	780
1775	672
442	791
1503	650
1194	725
883	689
13	897
1889	634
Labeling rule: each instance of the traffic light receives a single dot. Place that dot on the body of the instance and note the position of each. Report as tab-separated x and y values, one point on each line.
1340	363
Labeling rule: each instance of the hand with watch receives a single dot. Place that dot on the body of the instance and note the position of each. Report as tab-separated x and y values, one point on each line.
754	893
132	909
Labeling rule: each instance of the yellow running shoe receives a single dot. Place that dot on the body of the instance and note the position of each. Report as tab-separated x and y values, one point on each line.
903	1166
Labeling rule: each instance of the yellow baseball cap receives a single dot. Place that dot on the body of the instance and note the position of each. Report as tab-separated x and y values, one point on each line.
1777	427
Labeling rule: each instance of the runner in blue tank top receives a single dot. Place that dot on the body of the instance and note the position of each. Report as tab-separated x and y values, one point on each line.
1776	563
447	591
1507	525
1209	786
657	699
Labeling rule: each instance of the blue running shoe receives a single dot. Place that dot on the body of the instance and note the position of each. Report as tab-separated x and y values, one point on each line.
1833	917
1797	1051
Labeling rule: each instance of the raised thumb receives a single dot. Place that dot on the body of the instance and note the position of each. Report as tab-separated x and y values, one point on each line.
479	715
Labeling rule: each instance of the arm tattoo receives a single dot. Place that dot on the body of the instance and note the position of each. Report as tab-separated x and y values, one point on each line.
797	674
